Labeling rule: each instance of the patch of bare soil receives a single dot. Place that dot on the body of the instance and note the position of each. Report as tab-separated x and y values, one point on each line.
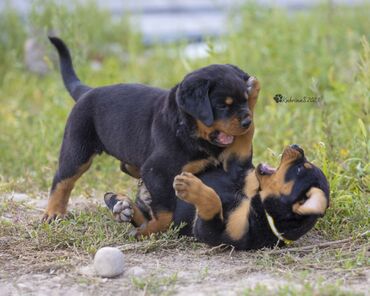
184	267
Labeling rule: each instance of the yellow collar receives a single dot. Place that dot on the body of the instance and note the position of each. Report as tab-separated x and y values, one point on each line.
275	231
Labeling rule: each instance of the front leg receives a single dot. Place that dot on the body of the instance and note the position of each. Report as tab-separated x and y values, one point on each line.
157	175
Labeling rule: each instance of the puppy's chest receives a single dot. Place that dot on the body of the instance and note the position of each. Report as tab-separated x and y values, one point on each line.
197	166
206	156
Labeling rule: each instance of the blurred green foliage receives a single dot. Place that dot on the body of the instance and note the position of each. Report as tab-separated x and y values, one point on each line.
323	52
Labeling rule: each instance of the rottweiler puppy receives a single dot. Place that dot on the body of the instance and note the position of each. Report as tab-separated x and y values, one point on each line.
274	207
155	133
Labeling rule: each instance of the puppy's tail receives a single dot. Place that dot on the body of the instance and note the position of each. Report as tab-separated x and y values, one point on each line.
74	86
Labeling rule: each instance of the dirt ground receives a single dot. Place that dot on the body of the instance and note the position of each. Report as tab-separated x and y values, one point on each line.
311	266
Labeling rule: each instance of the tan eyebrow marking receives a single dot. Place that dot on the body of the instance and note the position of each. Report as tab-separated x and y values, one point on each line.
307	165
229	101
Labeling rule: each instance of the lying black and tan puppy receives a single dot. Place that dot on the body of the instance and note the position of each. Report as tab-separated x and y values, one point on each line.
275	206
155	133
272	206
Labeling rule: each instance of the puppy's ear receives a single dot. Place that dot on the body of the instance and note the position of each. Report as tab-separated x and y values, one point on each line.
192	98
253	89
315	204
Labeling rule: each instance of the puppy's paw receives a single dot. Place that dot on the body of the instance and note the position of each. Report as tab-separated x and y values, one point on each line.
51	215
123	211
121	207
187	187
253	87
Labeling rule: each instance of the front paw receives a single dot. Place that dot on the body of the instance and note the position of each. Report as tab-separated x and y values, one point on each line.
121	207
187	187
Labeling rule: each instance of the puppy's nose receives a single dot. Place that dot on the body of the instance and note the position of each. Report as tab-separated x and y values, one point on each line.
246	122
295	146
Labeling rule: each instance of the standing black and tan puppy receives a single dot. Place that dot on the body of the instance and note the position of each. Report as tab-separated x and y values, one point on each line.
274	206
155	133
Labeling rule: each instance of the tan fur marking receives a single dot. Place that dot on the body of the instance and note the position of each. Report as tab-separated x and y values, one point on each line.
251	184
315	204
208	204
307	165
276	187
275	184
252	99
230	127
159	224
199	165
59	197
133	170
237	224
229	101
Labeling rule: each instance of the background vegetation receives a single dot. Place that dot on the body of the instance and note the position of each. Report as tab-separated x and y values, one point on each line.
322	53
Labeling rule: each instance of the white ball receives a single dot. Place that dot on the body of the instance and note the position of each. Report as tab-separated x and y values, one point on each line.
109	262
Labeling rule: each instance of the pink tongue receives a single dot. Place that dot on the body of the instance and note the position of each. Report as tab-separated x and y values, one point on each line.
266	169
224	139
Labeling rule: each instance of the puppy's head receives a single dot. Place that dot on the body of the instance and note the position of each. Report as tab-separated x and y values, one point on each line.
295	194
216	97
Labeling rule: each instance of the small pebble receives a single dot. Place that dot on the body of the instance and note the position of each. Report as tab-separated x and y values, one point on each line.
135	271
20	197
109	262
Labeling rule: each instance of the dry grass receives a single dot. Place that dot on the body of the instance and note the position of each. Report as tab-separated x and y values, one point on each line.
312	260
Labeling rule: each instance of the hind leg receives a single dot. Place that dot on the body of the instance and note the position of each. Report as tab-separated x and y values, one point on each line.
130	170
75	159
192	190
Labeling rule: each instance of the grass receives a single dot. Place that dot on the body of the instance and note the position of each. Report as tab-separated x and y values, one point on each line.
154	285
307	290
322	53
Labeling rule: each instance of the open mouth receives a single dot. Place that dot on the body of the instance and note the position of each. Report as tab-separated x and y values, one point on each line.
265	169
222	139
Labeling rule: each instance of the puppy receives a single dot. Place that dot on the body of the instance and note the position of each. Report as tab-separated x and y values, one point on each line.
274	207
155	133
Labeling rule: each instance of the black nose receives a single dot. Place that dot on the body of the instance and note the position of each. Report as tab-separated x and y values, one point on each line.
246	122
295	146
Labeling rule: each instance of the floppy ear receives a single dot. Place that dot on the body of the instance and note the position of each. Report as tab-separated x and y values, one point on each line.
315	204
192	97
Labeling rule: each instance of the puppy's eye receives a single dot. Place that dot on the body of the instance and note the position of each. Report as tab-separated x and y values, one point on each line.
300	170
